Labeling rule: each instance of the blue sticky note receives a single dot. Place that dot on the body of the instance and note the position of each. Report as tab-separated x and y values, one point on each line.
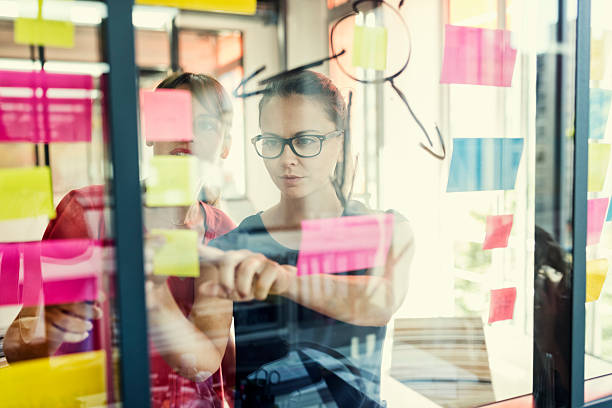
609	216
598	112
484	164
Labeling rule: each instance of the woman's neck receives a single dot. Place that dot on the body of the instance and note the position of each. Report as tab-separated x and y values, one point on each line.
290	212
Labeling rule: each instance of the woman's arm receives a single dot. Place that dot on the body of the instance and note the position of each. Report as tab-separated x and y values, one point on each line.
368	300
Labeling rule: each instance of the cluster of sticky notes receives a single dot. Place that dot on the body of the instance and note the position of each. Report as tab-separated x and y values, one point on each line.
179	254
336	245
44	32
370	47
484	164
596	271
596	214
477	56
166	116
37	118
502	304
173	181
599	111
599	160
25	193
498	231
50	272
223	6
72	380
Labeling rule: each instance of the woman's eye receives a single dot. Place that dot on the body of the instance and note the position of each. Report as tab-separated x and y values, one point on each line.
270	143
304	141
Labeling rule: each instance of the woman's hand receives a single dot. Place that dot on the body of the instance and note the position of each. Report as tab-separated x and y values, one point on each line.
241	275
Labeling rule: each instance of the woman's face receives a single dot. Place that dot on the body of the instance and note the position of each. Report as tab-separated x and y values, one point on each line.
297	177
209	136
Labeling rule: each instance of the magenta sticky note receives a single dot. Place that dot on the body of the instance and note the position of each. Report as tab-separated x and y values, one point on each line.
166	116
498	231
477	56
50	272
38	116
596	215
502	304
335	245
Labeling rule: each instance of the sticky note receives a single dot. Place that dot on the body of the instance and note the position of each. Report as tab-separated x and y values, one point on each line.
166	115
225	6
179	254
599	111
26	192
484	164
370	47
71	380
597	271
599	159
335	245
38	31
596	213
477	56
173	181
597	59
50	272
498	231
502	304
37	118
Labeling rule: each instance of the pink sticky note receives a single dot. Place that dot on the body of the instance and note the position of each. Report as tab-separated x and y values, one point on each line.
166	115
502	304
498	231
596	214
37	117
52	272
335	245
477	56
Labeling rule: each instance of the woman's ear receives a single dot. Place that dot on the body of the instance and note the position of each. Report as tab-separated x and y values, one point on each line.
225	148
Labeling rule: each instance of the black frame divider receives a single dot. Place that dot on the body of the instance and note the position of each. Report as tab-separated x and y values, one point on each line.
121	104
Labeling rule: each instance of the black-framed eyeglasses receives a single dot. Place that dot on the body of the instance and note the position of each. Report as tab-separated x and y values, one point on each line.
303	145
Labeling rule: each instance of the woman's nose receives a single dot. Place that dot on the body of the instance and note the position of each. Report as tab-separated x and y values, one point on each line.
287	156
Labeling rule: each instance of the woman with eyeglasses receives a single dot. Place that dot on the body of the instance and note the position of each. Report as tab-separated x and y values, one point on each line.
313	338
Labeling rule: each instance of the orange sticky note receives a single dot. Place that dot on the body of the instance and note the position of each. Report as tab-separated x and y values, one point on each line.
596	276
502	304
72	380
224	6
26	192
166	115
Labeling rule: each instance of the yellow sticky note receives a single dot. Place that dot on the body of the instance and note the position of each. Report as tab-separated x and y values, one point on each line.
179	255
597	59
173	181
25	193
72	380
370	47
223	6
50	33
596	276
599	159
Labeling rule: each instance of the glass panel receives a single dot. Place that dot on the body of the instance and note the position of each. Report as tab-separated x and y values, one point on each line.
598	319
57	257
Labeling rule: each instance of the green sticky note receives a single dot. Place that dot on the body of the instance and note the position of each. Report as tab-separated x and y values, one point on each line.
370	47
38	31
599	158
173	181
179	255
25	193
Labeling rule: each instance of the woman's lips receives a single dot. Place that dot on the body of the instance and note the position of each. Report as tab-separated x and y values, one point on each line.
291	180
179	151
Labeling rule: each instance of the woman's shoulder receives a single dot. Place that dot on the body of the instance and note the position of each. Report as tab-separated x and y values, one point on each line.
354	207
235	238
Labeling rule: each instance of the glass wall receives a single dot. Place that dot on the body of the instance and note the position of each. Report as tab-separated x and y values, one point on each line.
341	204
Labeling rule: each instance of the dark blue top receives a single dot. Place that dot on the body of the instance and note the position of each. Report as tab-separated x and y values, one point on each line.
267	331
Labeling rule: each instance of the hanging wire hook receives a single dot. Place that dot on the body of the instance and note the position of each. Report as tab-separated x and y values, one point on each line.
429	148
